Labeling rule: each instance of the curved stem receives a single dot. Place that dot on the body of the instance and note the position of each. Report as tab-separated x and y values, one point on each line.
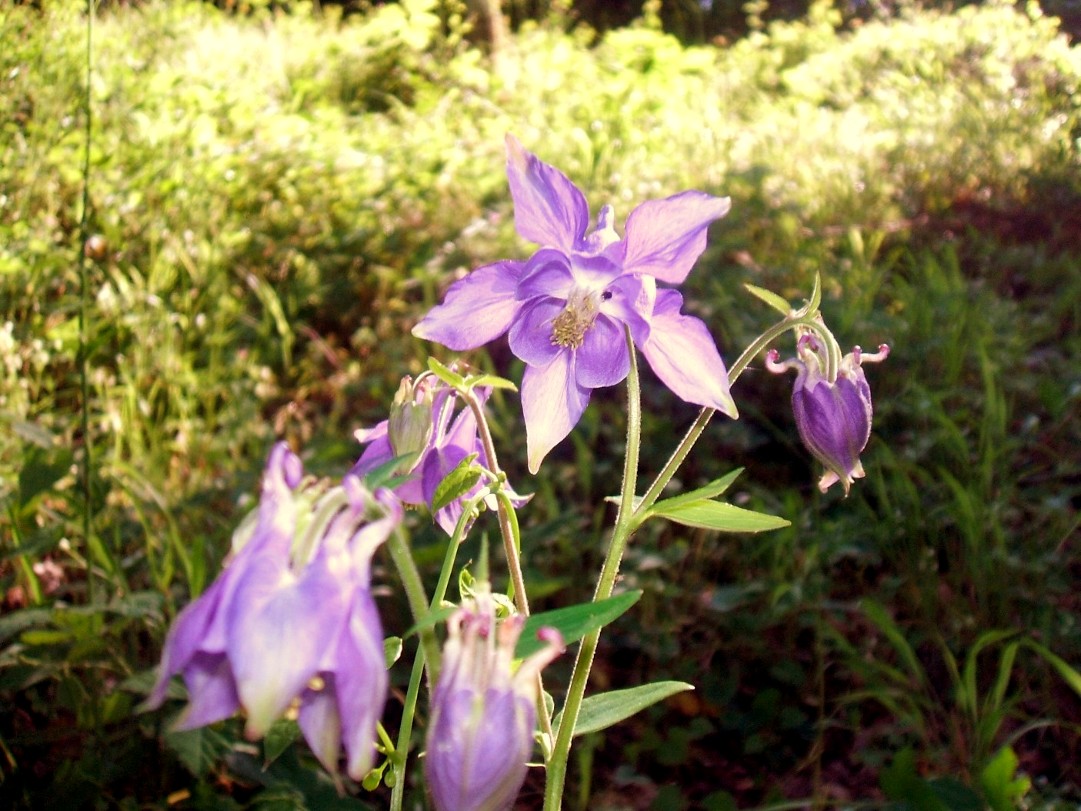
706	414
621	533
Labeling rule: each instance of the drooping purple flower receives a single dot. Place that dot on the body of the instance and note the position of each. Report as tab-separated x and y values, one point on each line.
424	429
291	620
481	733
565	309
833	417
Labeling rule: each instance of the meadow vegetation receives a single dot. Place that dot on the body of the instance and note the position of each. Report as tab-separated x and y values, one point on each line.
280	196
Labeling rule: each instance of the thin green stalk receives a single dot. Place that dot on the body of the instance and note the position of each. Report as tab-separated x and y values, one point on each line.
706	414
507	523
405	731
418	600
621	533
84	308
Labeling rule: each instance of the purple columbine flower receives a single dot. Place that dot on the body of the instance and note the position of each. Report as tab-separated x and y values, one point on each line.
833	416
565	309
424	429
481	733
290	622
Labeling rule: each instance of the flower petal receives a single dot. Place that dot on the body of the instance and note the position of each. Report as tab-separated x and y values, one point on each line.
547	273
664	238
530	336
552	403
548	208
361	683
476	309
631	300
211	690
682	353
277	634
602	359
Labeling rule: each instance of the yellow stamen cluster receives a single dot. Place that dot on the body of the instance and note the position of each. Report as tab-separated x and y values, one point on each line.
569	328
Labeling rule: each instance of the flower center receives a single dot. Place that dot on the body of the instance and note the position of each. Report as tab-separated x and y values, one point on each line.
569	328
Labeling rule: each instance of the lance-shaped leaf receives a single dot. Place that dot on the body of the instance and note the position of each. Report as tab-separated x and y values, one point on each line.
716	515
605	709
457	483
573	622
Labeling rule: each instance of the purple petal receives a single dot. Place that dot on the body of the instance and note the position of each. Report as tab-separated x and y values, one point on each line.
547	273
548	208
632	300
321	724
552	403
378	451
361	683
476	309
682	353
602	359
530	335
664	238
211	691
278	630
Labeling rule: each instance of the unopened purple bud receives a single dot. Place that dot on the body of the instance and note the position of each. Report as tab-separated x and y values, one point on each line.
481	732
833	417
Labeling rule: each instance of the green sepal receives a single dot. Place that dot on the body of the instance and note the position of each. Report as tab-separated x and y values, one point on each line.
279	737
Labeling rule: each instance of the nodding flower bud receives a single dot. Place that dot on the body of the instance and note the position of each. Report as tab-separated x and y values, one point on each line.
409	426
833	416
481	732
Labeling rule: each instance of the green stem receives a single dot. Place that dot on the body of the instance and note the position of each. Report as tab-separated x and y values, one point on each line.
621	533
706	414
418	600
508	523
84	309
405	731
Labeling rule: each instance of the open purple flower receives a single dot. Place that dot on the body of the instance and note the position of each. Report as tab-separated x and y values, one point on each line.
565	309
481	733
833	416
290	621
424	430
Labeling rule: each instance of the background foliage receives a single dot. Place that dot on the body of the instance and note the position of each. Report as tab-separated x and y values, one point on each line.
282	193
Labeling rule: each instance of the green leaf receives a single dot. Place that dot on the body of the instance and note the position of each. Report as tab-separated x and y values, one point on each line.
605	709
492	381
447	375
278	738
574	621
385	475
715	488
1000	788
392	650
770	298
716	515
955	795
1067	673
881	618
457	483
901	782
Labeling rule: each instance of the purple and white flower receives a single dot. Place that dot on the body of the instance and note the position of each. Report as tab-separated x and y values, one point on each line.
833	416
424	429
291	622
566	309
481	733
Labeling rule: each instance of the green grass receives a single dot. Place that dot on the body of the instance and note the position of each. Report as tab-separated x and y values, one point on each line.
283	196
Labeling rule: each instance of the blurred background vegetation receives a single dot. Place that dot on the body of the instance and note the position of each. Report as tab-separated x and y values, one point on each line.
277	192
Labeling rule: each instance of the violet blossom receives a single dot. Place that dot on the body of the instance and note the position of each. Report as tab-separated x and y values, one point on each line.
565	310
290	623
481	733
432	440
833	416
